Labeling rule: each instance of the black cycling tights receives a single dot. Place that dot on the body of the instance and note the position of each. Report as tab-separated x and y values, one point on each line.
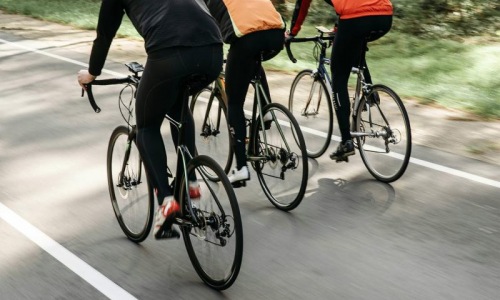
351	36
240	70
161	92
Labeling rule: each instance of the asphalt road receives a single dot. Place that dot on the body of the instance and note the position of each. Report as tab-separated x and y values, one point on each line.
433	234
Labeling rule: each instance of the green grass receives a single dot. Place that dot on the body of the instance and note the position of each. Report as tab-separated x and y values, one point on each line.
444	72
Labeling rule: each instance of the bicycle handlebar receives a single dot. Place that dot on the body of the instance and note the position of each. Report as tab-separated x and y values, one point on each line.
318	39
88	88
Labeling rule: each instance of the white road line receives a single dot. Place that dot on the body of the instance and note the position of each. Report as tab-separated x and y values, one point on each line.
75	264
71	261
455	172
57	57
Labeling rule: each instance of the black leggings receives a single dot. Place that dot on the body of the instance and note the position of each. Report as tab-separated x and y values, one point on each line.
240	70
161	92
352	35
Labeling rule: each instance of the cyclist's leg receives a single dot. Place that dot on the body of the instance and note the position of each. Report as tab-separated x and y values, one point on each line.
159	92
377	28
345	53
272	42
206	61
240	68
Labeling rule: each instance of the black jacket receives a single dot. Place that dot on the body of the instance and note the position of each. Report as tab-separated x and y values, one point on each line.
219	11
162	24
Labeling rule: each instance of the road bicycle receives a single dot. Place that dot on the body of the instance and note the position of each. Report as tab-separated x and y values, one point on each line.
211	227
277	154
380	123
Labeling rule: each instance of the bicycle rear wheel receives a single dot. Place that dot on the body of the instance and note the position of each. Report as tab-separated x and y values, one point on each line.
212	133
131	195
215	244
283	174
386	151
311	104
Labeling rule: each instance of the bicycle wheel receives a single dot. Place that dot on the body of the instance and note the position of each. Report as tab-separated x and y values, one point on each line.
215	244
131	194
213	137
283	174
311	104
386	151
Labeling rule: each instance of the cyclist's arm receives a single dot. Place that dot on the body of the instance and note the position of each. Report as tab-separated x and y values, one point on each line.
299	15
110	18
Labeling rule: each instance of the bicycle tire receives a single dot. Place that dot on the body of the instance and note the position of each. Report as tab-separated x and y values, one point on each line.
386	159
284	192
306	102
213	137
220	231
131	195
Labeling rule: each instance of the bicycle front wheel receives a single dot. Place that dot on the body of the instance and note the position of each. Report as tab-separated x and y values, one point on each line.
215	241
311	104
385	146
282	167
129	189
212	133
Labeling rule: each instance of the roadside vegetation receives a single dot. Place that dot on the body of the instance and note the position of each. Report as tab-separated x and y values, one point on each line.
450	58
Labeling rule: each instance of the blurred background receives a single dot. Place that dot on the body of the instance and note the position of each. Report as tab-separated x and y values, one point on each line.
442	52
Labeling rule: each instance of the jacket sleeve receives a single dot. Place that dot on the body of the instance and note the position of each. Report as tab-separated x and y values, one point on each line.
110	18
299	15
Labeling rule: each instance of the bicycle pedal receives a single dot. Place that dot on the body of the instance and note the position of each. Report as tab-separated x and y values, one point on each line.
238	184
167	234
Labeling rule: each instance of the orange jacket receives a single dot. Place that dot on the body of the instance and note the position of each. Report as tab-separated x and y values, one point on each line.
346	9
237	18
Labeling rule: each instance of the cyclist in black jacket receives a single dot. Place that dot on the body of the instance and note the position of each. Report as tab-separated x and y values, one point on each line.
173	56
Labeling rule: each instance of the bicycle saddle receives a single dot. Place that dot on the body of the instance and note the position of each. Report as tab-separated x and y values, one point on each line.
196	82
268	54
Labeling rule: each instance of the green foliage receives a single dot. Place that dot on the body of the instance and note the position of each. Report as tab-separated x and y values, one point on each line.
446	71
82	13
448	18
442	71
428	18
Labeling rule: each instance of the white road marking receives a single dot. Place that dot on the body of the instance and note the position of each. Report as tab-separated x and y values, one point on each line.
71	261
57	57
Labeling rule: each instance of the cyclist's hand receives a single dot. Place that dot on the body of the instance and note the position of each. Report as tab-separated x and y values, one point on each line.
85	77
288	37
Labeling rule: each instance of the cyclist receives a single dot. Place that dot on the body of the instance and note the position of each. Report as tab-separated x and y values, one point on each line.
249	27
359	21
173	55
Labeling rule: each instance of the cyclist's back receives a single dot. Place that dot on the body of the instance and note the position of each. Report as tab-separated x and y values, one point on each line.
157	22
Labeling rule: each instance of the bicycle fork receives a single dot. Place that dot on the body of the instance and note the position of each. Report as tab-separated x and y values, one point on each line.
127	181
314	110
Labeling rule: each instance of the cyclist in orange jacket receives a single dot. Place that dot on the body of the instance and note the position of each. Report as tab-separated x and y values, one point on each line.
249	27
359	22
